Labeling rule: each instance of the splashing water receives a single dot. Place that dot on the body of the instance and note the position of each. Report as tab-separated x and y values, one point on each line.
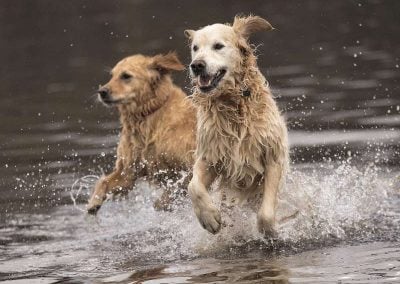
335	202
83	183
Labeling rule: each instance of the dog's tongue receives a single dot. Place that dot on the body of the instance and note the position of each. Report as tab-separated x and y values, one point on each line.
204	80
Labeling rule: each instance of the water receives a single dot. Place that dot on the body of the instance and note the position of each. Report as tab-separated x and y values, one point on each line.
335	71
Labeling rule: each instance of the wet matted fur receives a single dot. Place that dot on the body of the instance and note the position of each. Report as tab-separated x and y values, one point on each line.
241	135
157	139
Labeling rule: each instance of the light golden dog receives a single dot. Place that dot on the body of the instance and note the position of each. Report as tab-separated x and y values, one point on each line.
241	136
157	140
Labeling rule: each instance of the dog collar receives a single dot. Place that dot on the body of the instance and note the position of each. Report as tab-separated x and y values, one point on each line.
246	93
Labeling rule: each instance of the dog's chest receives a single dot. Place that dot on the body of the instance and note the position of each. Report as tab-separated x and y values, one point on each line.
236	150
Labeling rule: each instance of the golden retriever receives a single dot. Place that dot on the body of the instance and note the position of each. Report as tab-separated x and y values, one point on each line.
157	139
241	135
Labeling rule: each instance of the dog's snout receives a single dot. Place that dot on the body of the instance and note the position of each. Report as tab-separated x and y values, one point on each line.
104	92
198	66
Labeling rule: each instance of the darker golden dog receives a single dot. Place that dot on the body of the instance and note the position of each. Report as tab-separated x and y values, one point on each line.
158	126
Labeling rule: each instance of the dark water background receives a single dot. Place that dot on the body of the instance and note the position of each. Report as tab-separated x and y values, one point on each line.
334	67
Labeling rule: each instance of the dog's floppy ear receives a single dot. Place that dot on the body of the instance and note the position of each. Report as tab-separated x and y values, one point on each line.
245	26
189	34
165	63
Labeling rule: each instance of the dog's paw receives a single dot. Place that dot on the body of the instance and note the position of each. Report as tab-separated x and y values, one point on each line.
93	210
210	219
266	226
94	205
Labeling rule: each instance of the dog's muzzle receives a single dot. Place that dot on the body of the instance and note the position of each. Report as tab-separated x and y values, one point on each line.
198	67
205	81
105	95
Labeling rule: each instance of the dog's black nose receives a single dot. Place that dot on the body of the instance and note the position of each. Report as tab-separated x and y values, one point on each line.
104	92
198	66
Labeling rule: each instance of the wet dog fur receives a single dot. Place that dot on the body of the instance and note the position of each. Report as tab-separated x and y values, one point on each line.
157	139
241	135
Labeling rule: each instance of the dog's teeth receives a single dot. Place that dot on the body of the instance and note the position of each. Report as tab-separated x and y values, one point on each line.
203	82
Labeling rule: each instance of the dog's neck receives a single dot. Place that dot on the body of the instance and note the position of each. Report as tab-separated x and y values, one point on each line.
139	112
145	109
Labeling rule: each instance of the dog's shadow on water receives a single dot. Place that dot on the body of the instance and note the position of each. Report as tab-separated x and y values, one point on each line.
248	270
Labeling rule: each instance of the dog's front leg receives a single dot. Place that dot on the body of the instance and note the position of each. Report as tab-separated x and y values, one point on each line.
266	213
208	215
118	181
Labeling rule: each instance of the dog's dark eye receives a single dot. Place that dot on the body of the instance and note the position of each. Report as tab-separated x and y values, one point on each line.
125	76
218	46
195	48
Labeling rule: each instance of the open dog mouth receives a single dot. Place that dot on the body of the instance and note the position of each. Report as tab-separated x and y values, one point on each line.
208	82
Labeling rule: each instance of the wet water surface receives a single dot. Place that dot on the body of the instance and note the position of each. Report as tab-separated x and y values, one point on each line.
335	72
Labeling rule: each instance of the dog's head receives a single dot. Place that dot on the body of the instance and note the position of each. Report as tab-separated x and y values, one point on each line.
135	78
218	51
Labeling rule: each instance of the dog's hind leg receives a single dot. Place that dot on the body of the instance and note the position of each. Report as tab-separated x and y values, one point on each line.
266	213
173	194
208	215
